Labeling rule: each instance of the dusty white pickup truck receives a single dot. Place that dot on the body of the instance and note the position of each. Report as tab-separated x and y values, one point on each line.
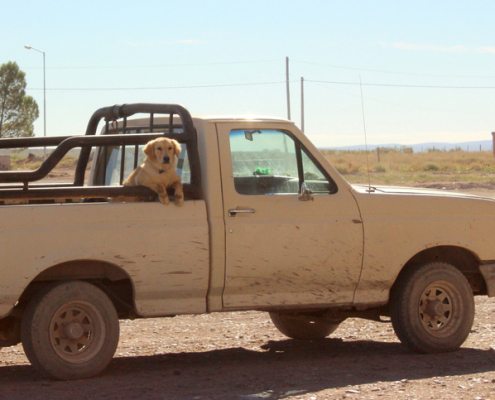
267	224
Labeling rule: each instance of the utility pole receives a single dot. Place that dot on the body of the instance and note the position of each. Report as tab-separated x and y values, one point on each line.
27	47
302	104
287	82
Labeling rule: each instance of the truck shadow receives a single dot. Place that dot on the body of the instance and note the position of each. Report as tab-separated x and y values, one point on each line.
278	370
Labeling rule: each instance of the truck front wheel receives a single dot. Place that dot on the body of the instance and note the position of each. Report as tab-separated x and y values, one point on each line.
70	330
432	308
302	328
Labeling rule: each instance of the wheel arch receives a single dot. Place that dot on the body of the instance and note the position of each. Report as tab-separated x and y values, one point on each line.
112	279
463	259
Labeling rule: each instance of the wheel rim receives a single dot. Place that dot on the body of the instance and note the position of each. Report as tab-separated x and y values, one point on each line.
436	307
77	332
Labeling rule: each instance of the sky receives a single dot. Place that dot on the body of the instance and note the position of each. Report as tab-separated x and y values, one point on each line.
404	72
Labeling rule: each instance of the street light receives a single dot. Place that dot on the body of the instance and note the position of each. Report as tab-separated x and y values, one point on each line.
44	92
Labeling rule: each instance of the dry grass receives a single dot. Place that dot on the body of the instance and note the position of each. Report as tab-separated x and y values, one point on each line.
33	163
396	165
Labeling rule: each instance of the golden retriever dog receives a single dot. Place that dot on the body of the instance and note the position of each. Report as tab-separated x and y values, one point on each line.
158	170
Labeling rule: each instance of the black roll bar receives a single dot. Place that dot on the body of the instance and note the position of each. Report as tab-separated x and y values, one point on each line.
64	144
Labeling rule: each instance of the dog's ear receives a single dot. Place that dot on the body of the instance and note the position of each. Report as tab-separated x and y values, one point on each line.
177	147
149	150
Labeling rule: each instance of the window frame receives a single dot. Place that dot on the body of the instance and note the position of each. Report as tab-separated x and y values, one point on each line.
299	148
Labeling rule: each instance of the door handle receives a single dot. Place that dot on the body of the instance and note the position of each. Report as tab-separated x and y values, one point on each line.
235	211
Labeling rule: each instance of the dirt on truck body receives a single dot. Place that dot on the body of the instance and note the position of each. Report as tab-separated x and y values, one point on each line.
267	225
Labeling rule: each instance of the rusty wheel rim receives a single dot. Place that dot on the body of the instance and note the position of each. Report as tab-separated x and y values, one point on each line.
77	332
435	308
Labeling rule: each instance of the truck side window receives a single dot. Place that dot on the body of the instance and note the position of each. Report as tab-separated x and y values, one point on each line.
264	162
315	179
114	163
267	162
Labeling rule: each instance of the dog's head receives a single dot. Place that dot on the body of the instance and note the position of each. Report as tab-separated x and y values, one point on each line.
162	151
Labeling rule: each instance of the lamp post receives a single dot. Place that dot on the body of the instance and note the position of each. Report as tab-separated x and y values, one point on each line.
44	93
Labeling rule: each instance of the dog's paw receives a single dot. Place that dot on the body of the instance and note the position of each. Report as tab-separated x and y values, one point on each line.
164	199
179	200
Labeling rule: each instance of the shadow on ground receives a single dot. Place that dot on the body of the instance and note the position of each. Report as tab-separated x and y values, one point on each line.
279	369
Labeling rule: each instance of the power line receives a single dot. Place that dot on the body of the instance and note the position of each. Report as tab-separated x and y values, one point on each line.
404	86
352	68
389	72
395	103
254	62
163	87
159	65
264	83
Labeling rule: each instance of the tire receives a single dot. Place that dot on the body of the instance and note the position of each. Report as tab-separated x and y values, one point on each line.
299	328
432	308
70	330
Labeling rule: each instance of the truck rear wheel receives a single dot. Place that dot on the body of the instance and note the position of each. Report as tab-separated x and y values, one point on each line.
302	328
432	308
70	330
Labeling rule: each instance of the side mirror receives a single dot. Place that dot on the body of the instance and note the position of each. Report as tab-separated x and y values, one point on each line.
305	193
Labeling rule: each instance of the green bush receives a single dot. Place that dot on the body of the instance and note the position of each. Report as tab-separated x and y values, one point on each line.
430	167
475	166
380	168
342	168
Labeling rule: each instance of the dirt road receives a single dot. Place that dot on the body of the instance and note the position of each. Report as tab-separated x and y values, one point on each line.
243	356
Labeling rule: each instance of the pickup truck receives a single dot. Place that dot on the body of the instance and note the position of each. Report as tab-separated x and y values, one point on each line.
267	224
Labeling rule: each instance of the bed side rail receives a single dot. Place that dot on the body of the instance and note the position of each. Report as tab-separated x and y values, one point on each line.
19	184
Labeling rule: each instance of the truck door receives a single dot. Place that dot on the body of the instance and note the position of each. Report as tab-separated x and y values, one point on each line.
283	249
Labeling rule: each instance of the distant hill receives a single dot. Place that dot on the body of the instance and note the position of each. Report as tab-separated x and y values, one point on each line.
486	145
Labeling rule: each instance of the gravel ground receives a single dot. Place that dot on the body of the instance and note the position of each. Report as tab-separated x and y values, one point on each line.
242	356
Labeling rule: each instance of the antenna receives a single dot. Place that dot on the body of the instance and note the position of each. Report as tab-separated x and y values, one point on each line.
365	138
302	104
287	84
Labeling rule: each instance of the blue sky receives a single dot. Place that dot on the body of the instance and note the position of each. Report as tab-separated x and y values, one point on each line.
418	63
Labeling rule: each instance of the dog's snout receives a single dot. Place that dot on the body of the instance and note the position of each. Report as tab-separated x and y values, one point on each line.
166	159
